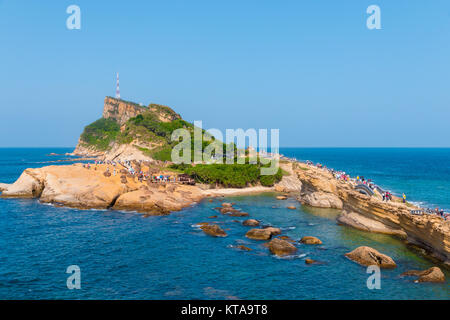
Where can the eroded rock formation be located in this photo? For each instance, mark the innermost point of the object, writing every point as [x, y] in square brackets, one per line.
[433, 274]
[370, 213]
[79, 187]
[368, 256]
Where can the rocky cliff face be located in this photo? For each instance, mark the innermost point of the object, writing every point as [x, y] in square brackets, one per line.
[121, 110]
[117, 138]
[321, 189]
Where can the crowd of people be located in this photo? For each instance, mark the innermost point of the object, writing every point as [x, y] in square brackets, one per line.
[136, 171]
[386, 195]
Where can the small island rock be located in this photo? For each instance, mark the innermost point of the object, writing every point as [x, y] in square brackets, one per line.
[251, 223]
[433, 274]
[368, 256]
[213, 230]
[310, 240]
[281, 247]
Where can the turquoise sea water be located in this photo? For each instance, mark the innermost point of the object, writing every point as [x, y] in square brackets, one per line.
[125, 256]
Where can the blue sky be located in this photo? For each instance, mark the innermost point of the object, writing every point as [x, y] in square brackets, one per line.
[310, 68]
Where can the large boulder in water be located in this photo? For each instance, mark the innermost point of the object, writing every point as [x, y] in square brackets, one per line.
[273, 231]
[434, 274]
[281, 247]
[213, 230]
[368, 256]
[262, 234]
[310, 240]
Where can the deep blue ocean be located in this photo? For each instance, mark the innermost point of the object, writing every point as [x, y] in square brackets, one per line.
[123, 255]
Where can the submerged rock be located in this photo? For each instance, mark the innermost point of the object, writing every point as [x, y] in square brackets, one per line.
[310, 261]
[292, 207]
[226, 205]
[368, 256]
[238, 214]
[281, 247]
[286, 238]
[242, 247]
[310, 240]
[433, 274]
[226, 210]
[251, 223]
[281, 197]
[213, 230]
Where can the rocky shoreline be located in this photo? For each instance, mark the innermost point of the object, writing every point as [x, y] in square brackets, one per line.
[370, 213]
[78, 187]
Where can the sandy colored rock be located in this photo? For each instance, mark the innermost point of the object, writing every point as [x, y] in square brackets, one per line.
[370, 213]
[289, 182]
[226, 210]
[310, 240]
[322, 200]
[361, 222]
[29, 185]
[368, 256]
[227, 205]
[433, 274]
[251, 223]
[79, 187]
[292, 207]
[273, 231]
[310, 261]
[160, 201]
[281, 197]
[213, 230]
[261, 234]
[281, 247]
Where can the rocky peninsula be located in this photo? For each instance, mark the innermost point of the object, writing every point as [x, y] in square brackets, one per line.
[137, 134]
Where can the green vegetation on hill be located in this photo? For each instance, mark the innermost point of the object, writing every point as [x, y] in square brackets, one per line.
[165, 110]
[229, 175]
[149, 121]
[100, 133]
[147, 128]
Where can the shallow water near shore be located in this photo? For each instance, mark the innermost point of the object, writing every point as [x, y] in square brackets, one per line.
[123, 255]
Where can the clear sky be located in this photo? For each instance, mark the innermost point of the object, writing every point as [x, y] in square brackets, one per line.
[310, 68]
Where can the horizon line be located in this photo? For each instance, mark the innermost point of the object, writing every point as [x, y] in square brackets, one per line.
[285, 147]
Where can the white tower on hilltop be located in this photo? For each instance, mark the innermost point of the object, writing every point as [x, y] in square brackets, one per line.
[117, 87]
